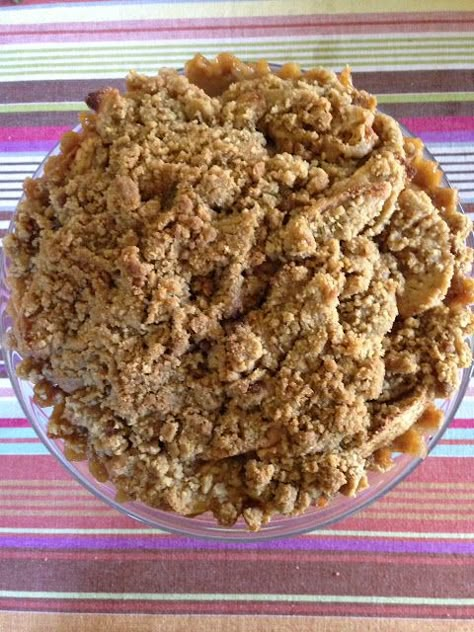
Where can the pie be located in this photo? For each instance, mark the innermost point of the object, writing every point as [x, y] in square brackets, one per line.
[240, 289]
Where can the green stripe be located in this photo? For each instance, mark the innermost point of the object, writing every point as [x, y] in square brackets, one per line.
[365, 599]
[261, 44]
[409, 97]
[119, 71]
[426, 97]
[169, 57]
[8, 108]
[153, 51]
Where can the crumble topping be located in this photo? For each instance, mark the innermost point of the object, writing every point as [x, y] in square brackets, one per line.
[240, 290]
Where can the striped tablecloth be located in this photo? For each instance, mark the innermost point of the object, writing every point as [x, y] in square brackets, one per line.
[68, 562]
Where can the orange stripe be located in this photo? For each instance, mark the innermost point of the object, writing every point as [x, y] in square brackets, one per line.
[35, 621]
[396, 515]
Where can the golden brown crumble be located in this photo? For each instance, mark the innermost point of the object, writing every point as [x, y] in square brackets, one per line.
[240, 298]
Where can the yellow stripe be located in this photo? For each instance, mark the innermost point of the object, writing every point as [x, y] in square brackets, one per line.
[23, 482]
[300, 7]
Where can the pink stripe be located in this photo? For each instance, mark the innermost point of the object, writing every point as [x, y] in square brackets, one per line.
[446, 136]
[46, 468]
[208, 555]
[6, 392]
[29, 145]
[388, 503]
[117, 521]
[428, 124]
[15, 134]
[242, 27]
[440, 124]
[14, 423]
[447, 124]
[462, 423]
[435, 469]
[450, 504]
[365, 522]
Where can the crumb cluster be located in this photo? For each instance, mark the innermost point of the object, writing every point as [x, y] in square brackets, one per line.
[240, 300]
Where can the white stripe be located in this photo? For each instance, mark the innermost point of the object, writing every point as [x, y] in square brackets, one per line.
[466, 408]
[437, 38]
[15, 178]
[9, 205]
[13, 186]
[119, 74]
[11, 408]
[118, 12]
[457, 451]
[32, 158]
[42, 58]
[461, 177]
[248, 597]
[452, 148]
[449, 167]
[455, 163]
[459, 434]
[409, 535]
[18, 433]
[10, 195]
[17, 171]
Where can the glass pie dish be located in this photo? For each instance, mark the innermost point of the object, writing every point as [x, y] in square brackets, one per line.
[204, 525]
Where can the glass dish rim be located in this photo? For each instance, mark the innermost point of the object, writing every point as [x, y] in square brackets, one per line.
[216, 533]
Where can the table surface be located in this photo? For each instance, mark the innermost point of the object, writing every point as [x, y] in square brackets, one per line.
[67, 562]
